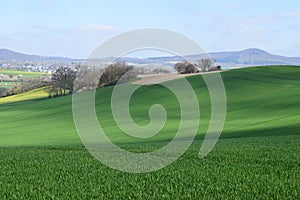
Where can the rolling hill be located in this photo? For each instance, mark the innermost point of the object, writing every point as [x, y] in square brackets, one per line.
[261, 101]
[257, 156]
[7, 55]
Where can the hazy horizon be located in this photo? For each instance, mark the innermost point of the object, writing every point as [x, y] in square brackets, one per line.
[143, 54]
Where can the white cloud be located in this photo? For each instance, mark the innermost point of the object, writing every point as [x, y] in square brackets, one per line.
[97, 28]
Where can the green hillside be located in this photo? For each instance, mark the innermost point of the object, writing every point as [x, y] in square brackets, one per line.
[36, 94]
[261, 101]
[257, 156]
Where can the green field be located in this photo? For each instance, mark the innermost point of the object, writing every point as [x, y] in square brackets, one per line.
[257, 156]
[24, 73]
[36, 94]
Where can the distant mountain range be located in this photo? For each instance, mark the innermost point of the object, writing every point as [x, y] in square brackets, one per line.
[7, 55]
[252, 57]
[248, 57]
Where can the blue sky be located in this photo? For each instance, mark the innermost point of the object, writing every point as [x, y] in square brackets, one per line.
[74, 28]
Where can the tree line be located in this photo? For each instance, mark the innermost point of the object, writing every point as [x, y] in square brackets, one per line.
[30, 84]
[62, 80]
[204, 64]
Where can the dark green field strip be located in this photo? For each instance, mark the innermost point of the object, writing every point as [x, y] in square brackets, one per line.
[246, 168]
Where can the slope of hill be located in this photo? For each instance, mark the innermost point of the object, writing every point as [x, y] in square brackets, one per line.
[36, 94]
[261, 101]
[256, 158]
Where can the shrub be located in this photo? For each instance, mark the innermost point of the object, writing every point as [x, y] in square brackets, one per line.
[115, 72]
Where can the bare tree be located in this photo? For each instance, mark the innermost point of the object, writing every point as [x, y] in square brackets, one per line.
[87, 78]
[161, 70]
[205, 64]
[179, 67]
[62, 81]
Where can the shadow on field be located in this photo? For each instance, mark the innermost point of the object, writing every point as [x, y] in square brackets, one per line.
[280, 131]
